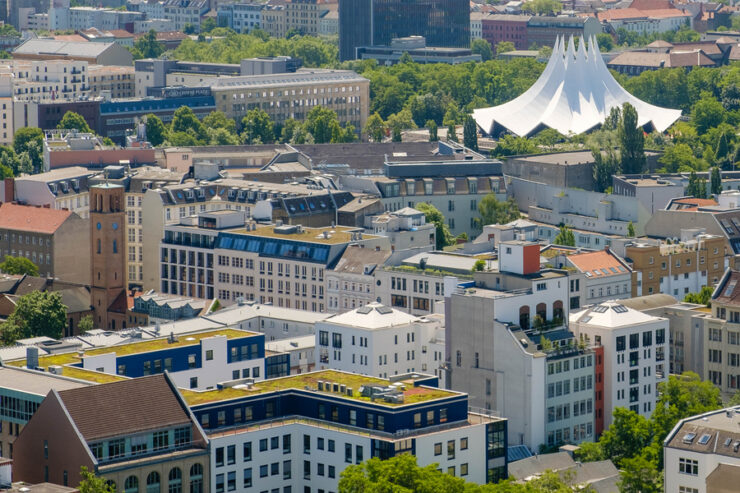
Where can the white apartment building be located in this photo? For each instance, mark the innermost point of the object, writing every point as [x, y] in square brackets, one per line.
[476, 25]
[377, 340]
[47, 79]
[325, 428]
[702, 453]
[352, 282]
[65, 188]
[406, 228]
[635, 350]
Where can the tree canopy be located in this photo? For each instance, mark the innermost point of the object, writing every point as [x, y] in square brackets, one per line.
[74, 121]
[434, 216]
[19, 265]
[493, 211]
[38, 313]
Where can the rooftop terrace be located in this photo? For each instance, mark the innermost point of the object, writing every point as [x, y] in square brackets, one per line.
[411, 394]
[336, 235]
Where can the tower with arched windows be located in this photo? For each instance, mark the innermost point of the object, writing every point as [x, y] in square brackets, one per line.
[107, 216]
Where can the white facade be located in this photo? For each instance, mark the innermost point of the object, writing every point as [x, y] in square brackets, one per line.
[701, 452]
[635, 350]
[315, 453]
[379, 341]
[215, 367]
[574, 94]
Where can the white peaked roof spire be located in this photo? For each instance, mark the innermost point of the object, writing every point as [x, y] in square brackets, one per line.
[574, 94]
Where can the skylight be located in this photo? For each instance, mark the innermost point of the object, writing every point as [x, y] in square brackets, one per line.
[689, 437]
[704, 439]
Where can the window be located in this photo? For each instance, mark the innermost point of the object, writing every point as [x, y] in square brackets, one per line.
[263, 471]
[464, 469]
[231, 455]
[152, 482]
[209, 354]
[247, 452]
[348, 452]
[174, 485]
[688, 466]
[438, 449]
[248, 477]
[464, 443]
[263, 444]
[451, 449]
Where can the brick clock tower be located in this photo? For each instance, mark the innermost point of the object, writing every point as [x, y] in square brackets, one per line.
[107, 225]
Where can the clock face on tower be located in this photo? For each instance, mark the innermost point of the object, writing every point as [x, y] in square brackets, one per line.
[98, 225]
[115, 226]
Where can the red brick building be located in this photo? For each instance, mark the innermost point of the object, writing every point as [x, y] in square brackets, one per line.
[513, 28]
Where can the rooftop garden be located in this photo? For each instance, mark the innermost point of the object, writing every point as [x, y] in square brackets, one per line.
[412, 395]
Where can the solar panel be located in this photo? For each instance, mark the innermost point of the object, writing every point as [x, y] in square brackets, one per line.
[600, 309]
[704, 439]
[619, 308]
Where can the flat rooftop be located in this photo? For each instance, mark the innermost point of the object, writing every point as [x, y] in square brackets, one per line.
[34, 382]
[71, 358]
[412, 395]
[336, 235]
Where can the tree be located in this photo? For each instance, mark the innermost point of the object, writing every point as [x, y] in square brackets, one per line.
[258, 127]
[147, 46]
[700, 298]
[640, 475]
[434, 216]
[185, 121]
[542, 7]
[218, 119]
[511, 145]
[40, 313]
[493, 211]
[548, 137]
[156, 132]
[565, 237]
[72, 120]
[632, 142]
[697, 187]
[208, 24]
[605, 166]
[9, 333]
[90, 483]
[504, 47]
[405, 58]
[630, 230]
[605, 42]
[19, 265]
[85, 324]
[707, 113]
[716, 181]
[452, 132]
[628, 434]
[679, 158]
[399, 122]
[188, 28]
[375, 128]
[483, 48]
[589, 452]
[30, 140]
[479, 265]
[470, 134]
[321, 122]
[432, 126]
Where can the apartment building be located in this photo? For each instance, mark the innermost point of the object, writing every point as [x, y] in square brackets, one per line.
[37, 80]
[183, 13]
[165, 205]
[291, 15]
[417, 285]
[635, 349]
[279, 264]
[702, 453]
[111, 81]
[457, 197]
[59, 189]
[57, 241]
[605, 276]
[80, 18]
[352, 282]
[241, 17]
[21, 393]
[293, 95]
[132, 446]
[676, 268]
[323, 421]
[406, 228]
[51, 49]
[378, 340]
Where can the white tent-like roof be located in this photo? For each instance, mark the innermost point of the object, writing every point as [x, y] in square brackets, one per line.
[574, 94]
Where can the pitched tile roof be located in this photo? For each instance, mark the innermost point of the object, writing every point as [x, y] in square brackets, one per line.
[31, 218]
[125, 407]
[598, 264]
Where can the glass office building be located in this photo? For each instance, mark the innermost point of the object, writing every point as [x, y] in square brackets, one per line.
[444, 23]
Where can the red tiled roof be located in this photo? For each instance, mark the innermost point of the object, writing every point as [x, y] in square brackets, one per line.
[598, 264]
[690, 203]
[633, 13]
[31, 218]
